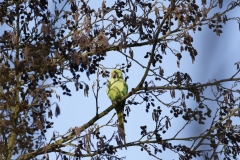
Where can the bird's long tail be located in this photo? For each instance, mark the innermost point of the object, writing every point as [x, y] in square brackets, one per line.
[122, 134]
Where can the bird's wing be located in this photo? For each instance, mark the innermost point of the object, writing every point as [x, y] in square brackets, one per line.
[116, 89]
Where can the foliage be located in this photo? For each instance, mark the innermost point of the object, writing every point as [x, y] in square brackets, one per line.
[40, 45]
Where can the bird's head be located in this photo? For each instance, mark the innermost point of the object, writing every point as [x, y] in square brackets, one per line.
[116, 73]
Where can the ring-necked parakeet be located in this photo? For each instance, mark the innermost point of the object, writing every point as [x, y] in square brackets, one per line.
[116, 89]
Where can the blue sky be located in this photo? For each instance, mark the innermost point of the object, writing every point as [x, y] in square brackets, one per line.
[216, 56]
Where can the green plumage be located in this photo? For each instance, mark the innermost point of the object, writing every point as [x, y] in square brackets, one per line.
[116, 89]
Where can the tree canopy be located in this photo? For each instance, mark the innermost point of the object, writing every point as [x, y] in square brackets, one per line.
[54, 49]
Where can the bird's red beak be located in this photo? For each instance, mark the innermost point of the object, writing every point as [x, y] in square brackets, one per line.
[113, 75]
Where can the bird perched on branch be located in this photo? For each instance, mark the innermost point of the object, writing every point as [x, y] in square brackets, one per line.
[116, 89]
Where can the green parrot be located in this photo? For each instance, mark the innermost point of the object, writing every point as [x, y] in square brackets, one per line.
[116, 89]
